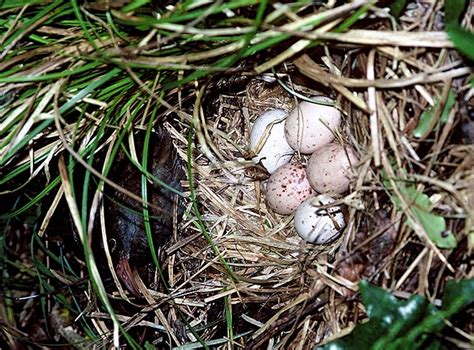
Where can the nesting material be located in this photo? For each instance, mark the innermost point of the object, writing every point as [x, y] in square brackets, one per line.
[231, 256]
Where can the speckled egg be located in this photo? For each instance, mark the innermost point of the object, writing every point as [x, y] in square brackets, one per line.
[287, 188]
[267, 140]
[329, 169]
[319, 225]
[310, 126]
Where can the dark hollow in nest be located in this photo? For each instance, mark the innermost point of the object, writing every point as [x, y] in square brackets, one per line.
[125, 221]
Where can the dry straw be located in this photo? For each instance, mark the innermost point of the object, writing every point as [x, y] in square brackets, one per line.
[237, 273]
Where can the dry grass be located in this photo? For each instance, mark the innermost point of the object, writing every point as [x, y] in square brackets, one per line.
[382, 87]
[237, 272]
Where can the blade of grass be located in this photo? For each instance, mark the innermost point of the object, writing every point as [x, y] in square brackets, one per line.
[52, 76]
[28, 25]
[85, 29]
[64, 108]
[195, 208]
[146, 214]
[229, 320]
[81, 227]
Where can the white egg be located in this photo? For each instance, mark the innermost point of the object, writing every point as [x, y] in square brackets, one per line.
[318, 225]
[311, 126]
[329, 169]
[267, 140]
[287, 188]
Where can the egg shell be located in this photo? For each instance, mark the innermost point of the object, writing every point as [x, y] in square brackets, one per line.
[318, 225]
[267, 140]
[287, 188]
[310, 126]
[329, 168]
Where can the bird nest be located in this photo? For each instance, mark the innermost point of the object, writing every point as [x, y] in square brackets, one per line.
[237, 274]
[241, 257]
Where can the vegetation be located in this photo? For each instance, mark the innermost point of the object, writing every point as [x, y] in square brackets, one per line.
[78, 77]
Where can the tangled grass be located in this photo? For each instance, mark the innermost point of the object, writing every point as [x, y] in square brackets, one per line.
[77, 78]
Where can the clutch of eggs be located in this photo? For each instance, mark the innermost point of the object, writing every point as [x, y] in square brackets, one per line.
[308, 129]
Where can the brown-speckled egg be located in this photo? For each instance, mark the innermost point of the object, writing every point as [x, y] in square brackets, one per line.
[311, 126]
[329, 169]
[287, 188]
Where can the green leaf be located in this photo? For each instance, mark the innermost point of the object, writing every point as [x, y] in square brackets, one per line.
[390, 318]
[136, 4]
[397, 7]
[458, 294]
[7, 4]
[425, 125]
[403, 324]
[462, 39]
[420, 206]
[453, 10]
[149, 346]
[395, 316]
[377, 301]
[434, 225]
